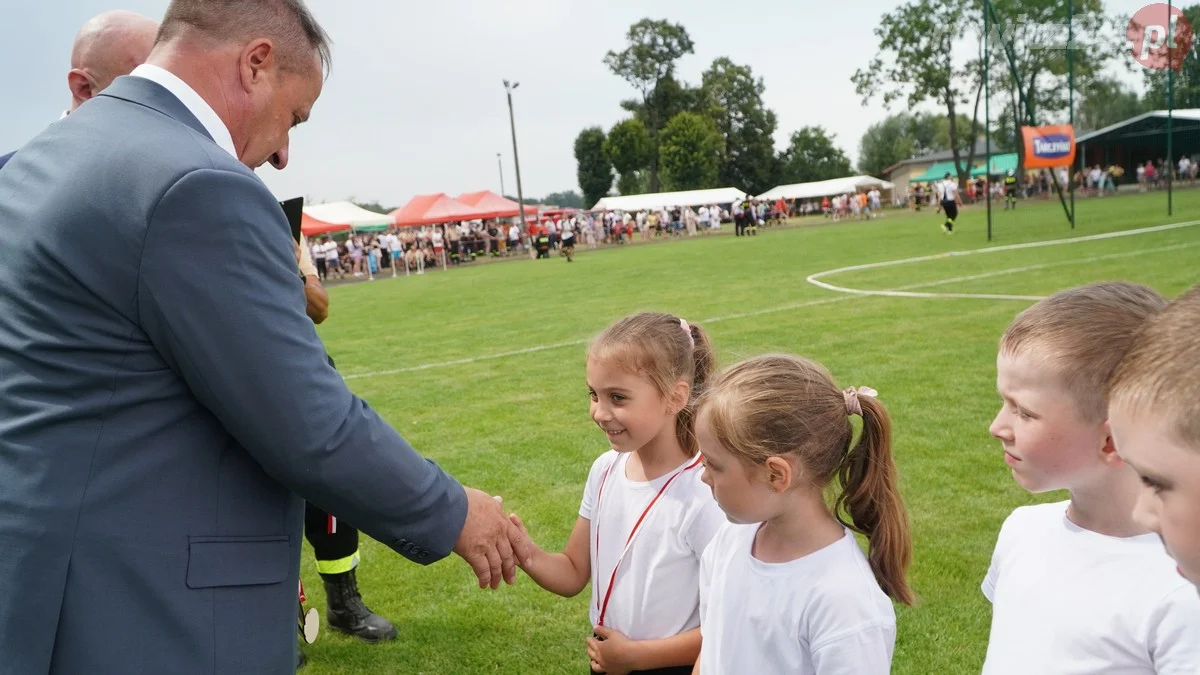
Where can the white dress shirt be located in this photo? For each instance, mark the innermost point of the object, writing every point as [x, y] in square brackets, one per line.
[192, 101]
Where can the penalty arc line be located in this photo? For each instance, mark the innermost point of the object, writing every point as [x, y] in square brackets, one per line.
[826, 301]
[815, 279]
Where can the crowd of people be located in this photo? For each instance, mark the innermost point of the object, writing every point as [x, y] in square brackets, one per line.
[413, 250]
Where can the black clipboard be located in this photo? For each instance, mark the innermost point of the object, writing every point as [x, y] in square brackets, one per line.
[294, 210]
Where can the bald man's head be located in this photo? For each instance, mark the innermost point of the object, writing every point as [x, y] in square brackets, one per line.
[107, 47]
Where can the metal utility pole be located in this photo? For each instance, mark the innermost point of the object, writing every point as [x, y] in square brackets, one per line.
[501, 168]
[508, 87]
[1169, 167]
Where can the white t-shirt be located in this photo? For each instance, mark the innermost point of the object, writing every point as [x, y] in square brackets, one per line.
[514, 233]
[948, 190]
[1069, 601]
[823, 613]
[657, 590]
[331, 250]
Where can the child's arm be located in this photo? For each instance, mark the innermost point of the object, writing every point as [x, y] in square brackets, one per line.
[565, 573]
[614, 652]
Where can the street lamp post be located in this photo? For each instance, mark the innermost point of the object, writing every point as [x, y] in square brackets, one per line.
[501, 168]
[508, 87]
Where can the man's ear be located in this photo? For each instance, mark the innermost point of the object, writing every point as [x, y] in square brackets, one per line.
[258, 57]
[81, 86]
[779, 473]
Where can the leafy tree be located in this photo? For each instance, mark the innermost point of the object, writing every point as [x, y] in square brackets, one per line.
[373, 206]
[594, 170]
[1106, 102]
[569, 199]
[628, 148]
[732, 98]
[647, 61]
[690, 151]
[918, 40]
[633, 183]
[1024, 28]
[885, 143]
[812, 156]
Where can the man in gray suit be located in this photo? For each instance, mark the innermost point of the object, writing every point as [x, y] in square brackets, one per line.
[164, 401]
[106, 47]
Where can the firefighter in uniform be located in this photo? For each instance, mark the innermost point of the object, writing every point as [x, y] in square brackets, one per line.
[1010, 190]
[334, 542]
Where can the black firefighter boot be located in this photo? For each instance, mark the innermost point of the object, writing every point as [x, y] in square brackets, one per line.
[349, 615]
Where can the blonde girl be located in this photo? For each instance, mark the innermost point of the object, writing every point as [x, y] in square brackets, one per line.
[646, 517]
[785, 587]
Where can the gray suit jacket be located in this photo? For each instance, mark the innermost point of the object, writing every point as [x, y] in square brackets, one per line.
[165, 404]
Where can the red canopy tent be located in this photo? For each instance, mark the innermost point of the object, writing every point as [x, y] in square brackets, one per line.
[312, 227]
[438, 208]
[497, 206]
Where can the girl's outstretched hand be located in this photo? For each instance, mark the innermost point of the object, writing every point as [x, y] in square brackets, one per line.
[516, 520]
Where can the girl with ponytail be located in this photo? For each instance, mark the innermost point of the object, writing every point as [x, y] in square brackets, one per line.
[646, 518]
[785, 587]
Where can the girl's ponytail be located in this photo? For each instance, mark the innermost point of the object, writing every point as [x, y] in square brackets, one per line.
[871, 499]
[704, 362]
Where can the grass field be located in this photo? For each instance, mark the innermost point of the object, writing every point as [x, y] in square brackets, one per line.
[517, 424]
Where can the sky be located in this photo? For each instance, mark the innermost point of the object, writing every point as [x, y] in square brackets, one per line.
[415, 102]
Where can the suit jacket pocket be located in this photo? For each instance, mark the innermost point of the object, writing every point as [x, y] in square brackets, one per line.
[237, 561]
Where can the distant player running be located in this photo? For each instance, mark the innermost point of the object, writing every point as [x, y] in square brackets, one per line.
[947, 192]
[1010, 190]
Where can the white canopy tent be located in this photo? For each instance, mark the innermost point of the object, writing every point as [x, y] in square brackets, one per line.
[669, 199]
[826, 188]
[346, 213]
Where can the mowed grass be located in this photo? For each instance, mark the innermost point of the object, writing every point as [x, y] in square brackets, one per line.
[518, 425]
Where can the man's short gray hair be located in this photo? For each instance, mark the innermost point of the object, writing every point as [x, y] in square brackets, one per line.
[287, 22]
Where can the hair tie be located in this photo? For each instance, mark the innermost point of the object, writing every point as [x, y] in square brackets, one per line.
[853, 405]
[688, 329]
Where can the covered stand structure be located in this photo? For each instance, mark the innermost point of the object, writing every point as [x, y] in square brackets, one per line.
[312, 227]
[826, 188]
[668, 200]
[497, 206]
[348, 215]
[1140, 139]
[433, 209]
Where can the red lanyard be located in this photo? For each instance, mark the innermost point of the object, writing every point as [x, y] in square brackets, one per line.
[629, 540]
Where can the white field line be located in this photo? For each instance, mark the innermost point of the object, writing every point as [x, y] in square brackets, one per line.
[850, 294]
[898, 293]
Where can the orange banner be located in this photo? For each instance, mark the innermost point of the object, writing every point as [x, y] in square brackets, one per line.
[1048, 146]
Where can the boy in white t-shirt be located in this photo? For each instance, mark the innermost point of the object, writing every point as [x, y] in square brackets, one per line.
[1155, 416]
[1078, 586]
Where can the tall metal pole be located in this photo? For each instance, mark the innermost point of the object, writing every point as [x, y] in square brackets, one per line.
[1170, 165]
[1071, 93]
[501, 168]
[987, 118]
[516, 159]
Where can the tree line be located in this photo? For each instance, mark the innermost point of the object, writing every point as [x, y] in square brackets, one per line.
[680, 136]
[915, 67]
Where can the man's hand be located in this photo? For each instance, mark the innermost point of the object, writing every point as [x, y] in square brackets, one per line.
[490, 542]
[609, 652]
[296, 251]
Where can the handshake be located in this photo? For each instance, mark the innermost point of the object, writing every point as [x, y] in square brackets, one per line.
[491, 543]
